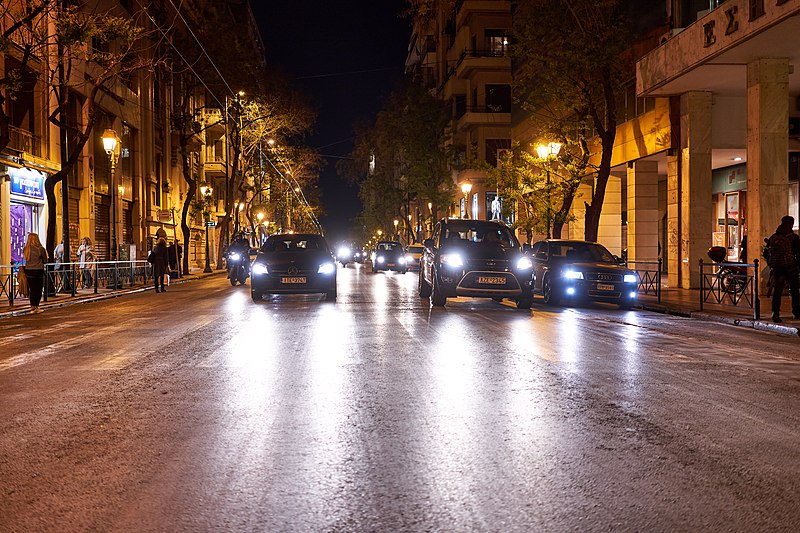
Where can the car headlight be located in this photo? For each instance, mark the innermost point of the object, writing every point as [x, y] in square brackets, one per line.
[344, 251]
[380, 259]
[572, 274]
[326, 268]
[402, 260]
[524, 263]
[630, 278]
[260, 269]
[410, 258]
[235, 257]
[452, 260]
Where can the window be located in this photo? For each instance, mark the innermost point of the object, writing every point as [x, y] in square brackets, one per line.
[496, 42]
[498, 98]
[494, 147]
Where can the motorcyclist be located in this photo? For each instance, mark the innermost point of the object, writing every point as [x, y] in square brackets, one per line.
[240, 246]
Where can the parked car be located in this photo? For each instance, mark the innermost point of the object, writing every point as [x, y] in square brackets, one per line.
[389, 255]
[413, 256]
[569, 271]
[294, 264]
[475, 258]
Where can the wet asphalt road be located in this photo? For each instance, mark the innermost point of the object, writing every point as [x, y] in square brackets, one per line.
[199, 410]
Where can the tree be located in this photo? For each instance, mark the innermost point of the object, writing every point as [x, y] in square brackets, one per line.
[401, 157]
[573, 59]
[92, 50]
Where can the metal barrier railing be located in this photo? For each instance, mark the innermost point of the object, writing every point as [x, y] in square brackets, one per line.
[734, 284]
[649, 274]
[70, 278]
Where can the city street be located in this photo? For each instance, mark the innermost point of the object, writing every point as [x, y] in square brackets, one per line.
[200, 410]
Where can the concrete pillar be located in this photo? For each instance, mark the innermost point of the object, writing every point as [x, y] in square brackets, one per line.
[696, 219]
[767, 150]
[672, 248]
[577, 227]
[609, 231]
[643, 211]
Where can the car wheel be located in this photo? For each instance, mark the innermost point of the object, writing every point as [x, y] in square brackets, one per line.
[331, 295]
[438, 299]
[423, 286]
[233, 279]
[550, 297]
[257, 297]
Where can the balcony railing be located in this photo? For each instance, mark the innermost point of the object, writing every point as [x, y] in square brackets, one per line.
[25, 141]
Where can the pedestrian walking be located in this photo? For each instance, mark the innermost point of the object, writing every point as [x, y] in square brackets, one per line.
[784, 251]
[160, 261]
[85, 258]
[35, 258]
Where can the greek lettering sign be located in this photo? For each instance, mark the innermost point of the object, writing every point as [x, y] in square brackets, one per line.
[27, 182]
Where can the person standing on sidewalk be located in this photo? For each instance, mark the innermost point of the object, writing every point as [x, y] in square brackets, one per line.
[35, 258]
[784, 251]
[86, 257]
[160, 264]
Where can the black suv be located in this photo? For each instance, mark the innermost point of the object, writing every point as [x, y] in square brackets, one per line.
[475, 258]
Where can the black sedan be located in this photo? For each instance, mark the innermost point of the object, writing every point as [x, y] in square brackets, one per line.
[567, 271]
[389, 255]
[294, 264]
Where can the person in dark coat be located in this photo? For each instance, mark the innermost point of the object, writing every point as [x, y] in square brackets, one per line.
[160, 264]
[784, 251]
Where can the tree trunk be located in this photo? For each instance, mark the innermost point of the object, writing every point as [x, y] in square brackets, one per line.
[190, 194]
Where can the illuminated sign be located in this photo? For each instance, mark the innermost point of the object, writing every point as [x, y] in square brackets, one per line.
[27, 182]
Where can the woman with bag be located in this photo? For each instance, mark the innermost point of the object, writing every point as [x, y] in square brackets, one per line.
[86, 257]
[35, 258]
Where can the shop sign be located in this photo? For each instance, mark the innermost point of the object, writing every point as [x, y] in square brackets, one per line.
[165, 215]
[27, 182]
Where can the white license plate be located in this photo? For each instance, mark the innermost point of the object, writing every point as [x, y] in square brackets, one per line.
[492, 280]
[605, 287]
[296, 279]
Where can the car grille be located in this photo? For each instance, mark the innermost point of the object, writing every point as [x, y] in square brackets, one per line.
[604, 277]
[490, 265]
[286, 271]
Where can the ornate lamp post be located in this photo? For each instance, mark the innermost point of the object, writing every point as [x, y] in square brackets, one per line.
[206, 191]
[111, 145]
[548, 152]
[466, 187]
[395, 222]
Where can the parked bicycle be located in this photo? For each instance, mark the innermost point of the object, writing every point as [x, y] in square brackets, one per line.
[732, 278]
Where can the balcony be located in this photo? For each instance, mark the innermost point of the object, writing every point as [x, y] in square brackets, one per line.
[212, 118]
[25, 141]
[465, 9]
[474, 116]
[214, 166]
[472, 61]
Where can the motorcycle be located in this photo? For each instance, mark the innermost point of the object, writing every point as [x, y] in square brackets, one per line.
[238, 267]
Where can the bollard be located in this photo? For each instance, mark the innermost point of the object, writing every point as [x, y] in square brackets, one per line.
[756, 299]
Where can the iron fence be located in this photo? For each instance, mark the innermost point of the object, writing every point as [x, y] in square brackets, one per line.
[732, 284]
[649, 274]
[71, 278]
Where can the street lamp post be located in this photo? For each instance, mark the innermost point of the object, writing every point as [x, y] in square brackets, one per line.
[396, 222]
[548, 152]
[206, 191]
[111, 145]
[466, 187]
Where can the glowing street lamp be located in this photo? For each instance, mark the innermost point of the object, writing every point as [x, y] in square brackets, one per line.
[111, 144]
[548, 152]
[466, 187]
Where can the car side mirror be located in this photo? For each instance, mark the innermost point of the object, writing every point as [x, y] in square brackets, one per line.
[428, 243]
[620, 260]
[526, 248]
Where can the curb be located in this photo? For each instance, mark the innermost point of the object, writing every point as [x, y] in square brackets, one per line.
[760, 325]
[100, 297]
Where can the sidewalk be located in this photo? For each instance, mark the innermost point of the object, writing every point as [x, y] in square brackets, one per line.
[686, 302]
[22, 306]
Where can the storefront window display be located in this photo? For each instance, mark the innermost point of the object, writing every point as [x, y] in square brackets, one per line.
[27, 199]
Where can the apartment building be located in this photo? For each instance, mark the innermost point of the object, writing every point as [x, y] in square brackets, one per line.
[460, 53]
[144, 195]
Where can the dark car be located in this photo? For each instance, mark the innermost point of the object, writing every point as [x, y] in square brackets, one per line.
[294, 264]
[568, 271]
[389, 255]
[475, 258]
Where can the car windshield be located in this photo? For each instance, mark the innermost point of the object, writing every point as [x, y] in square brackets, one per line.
[580, 251]
[389, 246]
[293, 243]
[479, 234]
[416, 249]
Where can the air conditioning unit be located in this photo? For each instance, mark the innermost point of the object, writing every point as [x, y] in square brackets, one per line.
[669, 35]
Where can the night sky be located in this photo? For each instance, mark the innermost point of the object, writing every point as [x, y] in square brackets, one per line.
[346, 56]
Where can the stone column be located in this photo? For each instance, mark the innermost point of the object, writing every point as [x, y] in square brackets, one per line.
[672, 252]
[696, 220]
[767, 150]
[609, 231]
[643, 211]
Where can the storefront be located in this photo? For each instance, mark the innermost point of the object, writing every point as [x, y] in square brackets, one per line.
[26, 210]
[729, 190]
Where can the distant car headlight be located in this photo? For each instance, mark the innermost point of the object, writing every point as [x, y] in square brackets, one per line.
[402, 260]
[572, 274]
[344, 251]
[410, 258]
[630, 278]
[380, 259]
[235, 257]
[326, 268]
[524, 263]
[452, 260]
[260, 269]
